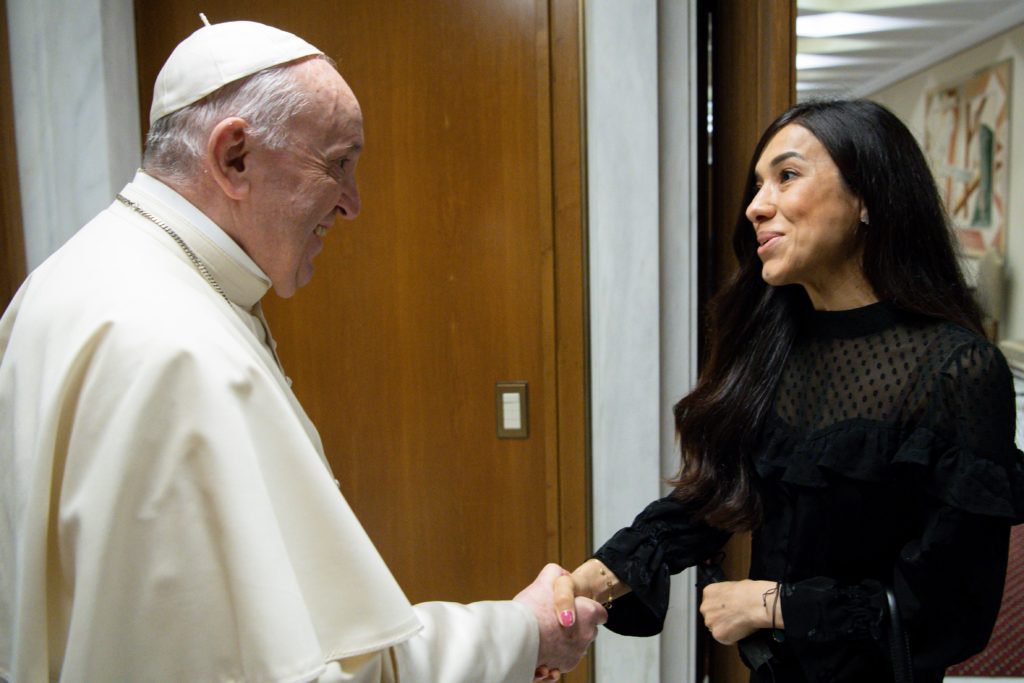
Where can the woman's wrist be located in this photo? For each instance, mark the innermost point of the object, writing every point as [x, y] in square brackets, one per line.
[769, 614]
[597, 582]
[769, 603]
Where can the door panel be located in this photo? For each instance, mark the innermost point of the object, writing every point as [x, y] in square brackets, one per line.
[753, 81]
[446, 284]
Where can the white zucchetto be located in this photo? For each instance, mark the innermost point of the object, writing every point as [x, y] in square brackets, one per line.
[219, 54]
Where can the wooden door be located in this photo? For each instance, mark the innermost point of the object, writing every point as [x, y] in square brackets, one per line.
[753, 49]
[465, 269]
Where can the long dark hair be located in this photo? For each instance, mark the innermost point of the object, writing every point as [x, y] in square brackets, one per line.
[909, 258]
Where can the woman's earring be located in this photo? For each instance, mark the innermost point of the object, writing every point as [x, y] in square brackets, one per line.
[865, 221]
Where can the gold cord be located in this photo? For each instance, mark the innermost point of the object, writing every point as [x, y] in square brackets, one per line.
[200, 266]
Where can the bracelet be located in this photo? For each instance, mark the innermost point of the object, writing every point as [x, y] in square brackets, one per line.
[777, 634]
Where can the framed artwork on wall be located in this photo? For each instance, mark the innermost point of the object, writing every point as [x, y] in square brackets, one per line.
[967, 141]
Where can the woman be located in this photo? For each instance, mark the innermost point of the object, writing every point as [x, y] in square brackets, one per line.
[850, 413]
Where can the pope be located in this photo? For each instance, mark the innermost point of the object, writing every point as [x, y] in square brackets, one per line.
[166, 509]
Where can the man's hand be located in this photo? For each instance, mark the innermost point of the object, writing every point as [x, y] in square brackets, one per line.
[561, 648]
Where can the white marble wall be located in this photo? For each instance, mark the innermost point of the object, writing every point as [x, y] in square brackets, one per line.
[679, 159]
[75, 112]
[640, 155]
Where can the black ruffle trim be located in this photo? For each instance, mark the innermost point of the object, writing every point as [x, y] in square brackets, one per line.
[637, 559]
[991, 485]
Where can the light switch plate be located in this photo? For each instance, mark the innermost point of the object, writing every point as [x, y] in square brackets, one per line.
[512, 410]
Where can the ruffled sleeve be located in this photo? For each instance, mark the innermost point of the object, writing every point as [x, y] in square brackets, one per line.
[965, 441]
[959, 455]
[663, 540]
[948, 585]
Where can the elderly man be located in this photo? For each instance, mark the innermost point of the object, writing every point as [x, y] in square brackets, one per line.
[167, 510]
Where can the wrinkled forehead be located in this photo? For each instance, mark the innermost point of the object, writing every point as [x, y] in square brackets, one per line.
[335, 108]
[319, 75]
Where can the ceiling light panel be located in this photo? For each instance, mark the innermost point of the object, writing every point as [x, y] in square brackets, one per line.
[838, 45]
[865, 5]
[833, 24]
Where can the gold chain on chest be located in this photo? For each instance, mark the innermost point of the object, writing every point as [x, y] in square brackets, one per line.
[200, 266]
[203, 270]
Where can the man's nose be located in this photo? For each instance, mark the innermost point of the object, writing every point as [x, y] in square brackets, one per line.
[348, 202]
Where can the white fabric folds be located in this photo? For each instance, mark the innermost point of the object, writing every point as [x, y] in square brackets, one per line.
[161, 489]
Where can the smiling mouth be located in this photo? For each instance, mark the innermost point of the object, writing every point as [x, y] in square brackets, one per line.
[766, 238]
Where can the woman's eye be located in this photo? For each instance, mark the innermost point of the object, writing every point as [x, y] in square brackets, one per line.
[786, 175]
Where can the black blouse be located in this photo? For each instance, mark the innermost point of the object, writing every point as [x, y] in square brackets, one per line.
[888, 460]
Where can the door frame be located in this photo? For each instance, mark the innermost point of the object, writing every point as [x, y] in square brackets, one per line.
[12, 235]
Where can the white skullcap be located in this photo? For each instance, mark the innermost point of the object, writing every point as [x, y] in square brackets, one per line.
[218, 54]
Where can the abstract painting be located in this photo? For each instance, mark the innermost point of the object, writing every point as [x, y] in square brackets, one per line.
[966, 139]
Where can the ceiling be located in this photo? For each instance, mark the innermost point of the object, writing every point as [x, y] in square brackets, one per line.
[858, 47]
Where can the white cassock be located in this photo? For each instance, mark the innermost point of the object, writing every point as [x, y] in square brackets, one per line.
[166, 510]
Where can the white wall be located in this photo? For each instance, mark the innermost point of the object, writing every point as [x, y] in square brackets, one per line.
[622, 172]
[641, 161]
[906, 99]
[76, 112]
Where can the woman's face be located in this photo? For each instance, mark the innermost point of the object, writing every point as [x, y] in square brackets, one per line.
[806, 222]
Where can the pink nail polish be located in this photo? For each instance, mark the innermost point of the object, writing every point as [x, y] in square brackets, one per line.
[567, 617]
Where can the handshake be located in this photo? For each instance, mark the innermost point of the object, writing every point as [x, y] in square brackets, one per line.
[568, 613]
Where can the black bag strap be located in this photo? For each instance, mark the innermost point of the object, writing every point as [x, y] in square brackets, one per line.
[899, 644]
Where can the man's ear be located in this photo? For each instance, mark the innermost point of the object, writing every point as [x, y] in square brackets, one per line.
[227, 151]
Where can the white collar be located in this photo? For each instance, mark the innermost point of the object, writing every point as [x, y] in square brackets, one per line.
[200, 220]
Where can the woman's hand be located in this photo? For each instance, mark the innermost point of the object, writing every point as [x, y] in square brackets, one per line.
[593, 580]
[734, 609]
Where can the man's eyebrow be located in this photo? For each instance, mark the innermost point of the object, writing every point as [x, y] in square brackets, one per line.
[344, 150]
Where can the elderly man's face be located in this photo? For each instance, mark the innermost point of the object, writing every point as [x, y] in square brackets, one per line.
[298, 191]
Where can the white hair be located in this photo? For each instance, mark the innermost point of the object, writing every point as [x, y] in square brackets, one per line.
[267, 101]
